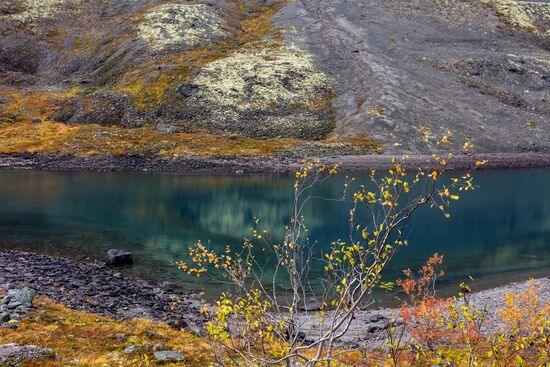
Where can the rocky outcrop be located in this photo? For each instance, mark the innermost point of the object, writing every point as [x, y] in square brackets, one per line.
[270, 91]
[15, 305]
[99, 108]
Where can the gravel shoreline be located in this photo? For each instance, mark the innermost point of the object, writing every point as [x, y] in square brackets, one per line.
[255, 165]
[96, 288]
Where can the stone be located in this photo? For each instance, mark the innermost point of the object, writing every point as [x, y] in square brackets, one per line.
[131, 349]
[4, 317]
[36, 121]
[178, 324]
[13, 354]
[121, 337]
[160, 347]
[168, 356]
[239, 172]
[118, 257]
[14, 324]
[188, 90]
[167, 128]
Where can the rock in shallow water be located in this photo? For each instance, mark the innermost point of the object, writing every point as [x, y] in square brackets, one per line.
[118, 257]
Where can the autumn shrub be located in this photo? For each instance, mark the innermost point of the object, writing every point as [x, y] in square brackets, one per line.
[455, 331]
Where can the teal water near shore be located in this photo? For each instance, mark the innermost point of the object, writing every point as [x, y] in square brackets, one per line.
[497, 234]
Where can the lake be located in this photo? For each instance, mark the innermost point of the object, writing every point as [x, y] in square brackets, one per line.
[497, 234]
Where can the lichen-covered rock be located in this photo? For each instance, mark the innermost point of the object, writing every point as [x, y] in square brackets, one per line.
[266, 92]
[31, 10]
[523, 14]
[176, 25]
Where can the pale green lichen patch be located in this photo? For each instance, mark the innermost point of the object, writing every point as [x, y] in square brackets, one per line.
[269, 90]
[522, 14]
[260, 78]
[31, 10]
[175, 24]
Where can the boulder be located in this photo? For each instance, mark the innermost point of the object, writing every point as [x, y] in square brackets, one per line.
[168, 356]
[119, 257]
[15, 305]
[19, 296]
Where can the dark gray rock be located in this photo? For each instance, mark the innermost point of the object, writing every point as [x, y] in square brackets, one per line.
[4, 317]
[119, 257]
[188, 90]
[168, 356]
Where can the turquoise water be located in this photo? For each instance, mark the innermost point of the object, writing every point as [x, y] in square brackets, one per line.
[499, 233]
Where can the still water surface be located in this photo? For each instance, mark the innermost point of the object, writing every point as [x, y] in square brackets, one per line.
[499, 233]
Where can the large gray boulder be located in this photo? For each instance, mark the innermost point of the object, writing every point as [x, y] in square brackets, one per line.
[15, 305]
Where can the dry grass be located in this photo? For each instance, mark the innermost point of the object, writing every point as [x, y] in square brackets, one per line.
[95, 140]
[83, 339]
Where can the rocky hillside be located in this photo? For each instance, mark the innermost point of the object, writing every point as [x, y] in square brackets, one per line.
[262, 77]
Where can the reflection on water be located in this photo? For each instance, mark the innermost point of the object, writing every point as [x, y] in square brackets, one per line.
[499, 232]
